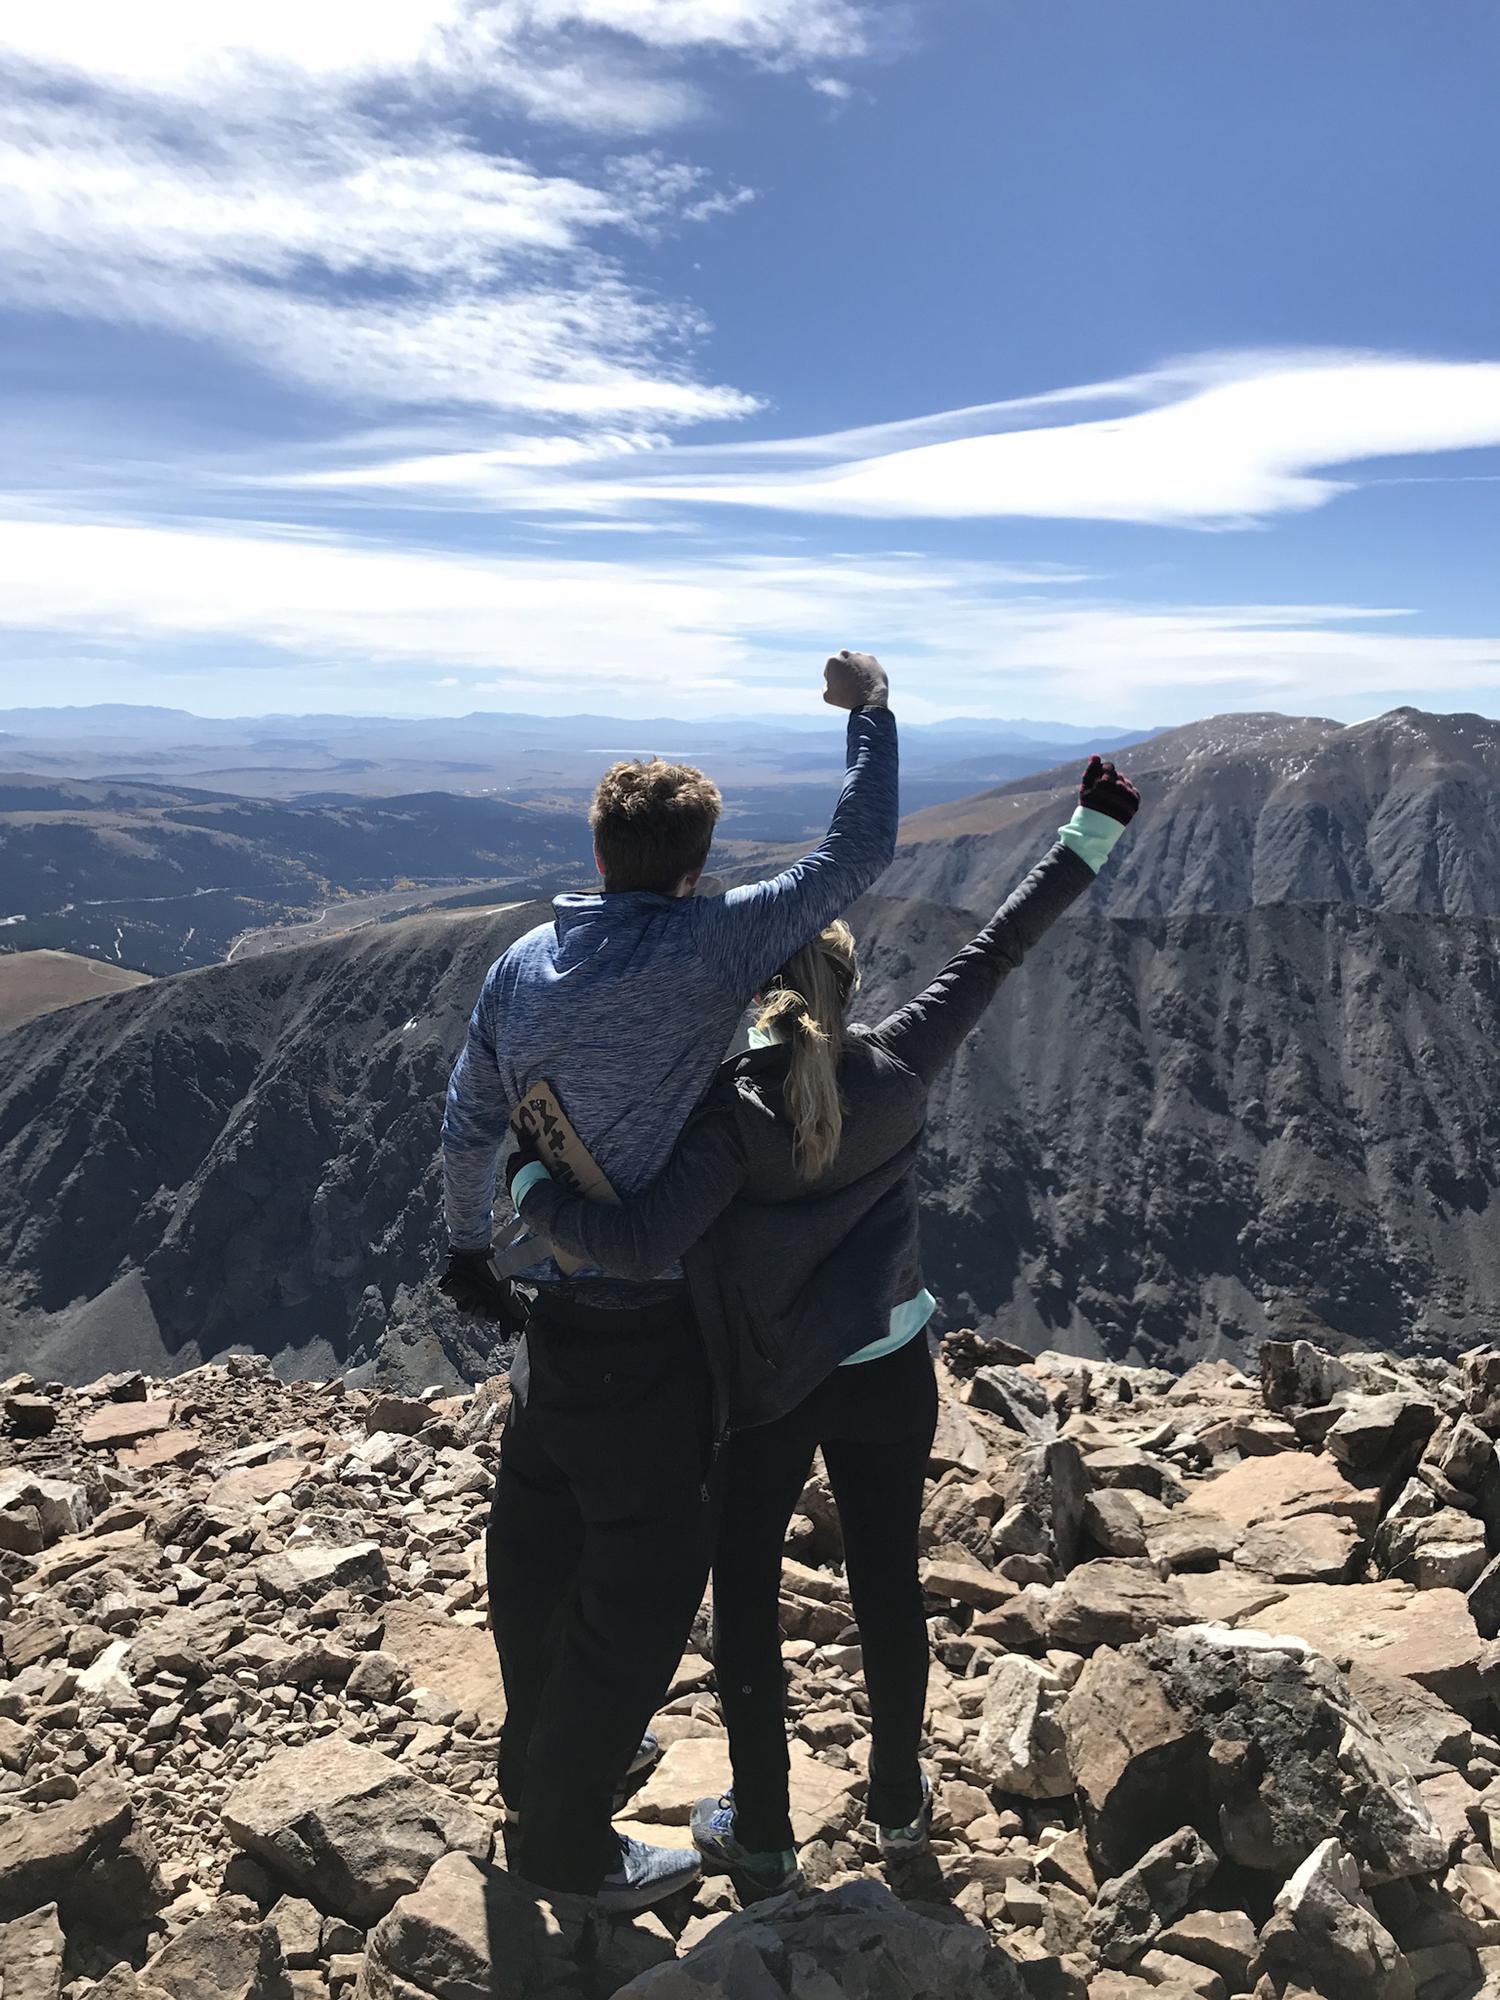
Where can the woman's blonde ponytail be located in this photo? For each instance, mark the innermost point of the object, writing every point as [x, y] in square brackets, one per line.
[804, 1006]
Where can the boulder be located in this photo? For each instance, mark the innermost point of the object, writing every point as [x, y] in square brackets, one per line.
[959, 1578]
[1133, 1754]
[299, 1928]
[1132, 1908]
[1113, 1524]
[85, 1854]
[31, 1416]
[1425, 1733]
[31, 1956]
[816, 1945]
[305, 1571]
[1020, 1746]
[956, 1445]
[1256, 1741]
[1049, 1482]
[1443, 1550]
[1019, 1400]
[220, 1956]
[456, 1660]
[1125, 1469]
[1479, 1375]
[1296, 1375]
[1284, 1488]
[471, 1932]
[823, 1796]
[1463, 1454]
[1312, 1548]
[161, 1448]
[693, 1768]
[402, 1416]
[244, 1486]
[1325, 1934]
[1223, 1940]
[1111, 1602]
[348, 1827]
[60, 1505]
[124, 1424]
[1381, 1433]
[1427, 1636]
[960, 1514]
[1484, 1600]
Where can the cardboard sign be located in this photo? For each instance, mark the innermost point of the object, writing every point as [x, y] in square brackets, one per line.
[541, 1118]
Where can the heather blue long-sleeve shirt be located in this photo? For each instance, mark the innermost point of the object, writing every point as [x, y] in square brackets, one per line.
[626, 1004]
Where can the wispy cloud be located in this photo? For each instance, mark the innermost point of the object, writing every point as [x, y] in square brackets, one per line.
[630, 634]
[1216, 441]
[298, 182]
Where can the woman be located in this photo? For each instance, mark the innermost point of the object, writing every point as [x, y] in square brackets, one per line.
[791, 1199]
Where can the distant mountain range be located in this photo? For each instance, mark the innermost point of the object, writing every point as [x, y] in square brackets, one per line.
[774, 769]
[163, 878]
[112, 844]
[1249, 1085]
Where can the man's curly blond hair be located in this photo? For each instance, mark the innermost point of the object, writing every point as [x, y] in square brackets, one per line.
[653, 823]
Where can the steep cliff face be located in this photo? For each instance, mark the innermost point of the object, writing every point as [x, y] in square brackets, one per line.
[1172, 1134]
[1402, 812]
[235, 1156]
[1168, 1136]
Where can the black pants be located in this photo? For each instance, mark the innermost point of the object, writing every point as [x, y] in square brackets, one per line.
[598, 1551]
[874, 1423]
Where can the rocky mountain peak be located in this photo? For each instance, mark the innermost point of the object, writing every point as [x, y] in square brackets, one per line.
[1214, 1667]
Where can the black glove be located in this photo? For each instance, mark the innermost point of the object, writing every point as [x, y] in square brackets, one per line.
[1103, 790]
[472, 1284]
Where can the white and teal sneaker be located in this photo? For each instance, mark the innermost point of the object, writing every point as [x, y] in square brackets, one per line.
[901, 1842]
[755, 1876]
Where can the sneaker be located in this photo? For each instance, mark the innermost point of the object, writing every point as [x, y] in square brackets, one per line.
[755, 1876]
[646, 1758]
[647, 1876]
[899, 1842]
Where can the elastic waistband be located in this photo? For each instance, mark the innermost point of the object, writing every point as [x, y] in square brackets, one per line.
[662, 1318]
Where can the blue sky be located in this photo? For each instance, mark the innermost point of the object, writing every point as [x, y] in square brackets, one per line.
[1126, 358]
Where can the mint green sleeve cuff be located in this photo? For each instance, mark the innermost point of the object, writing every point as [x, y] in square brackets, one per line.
[1091, 835]
[526, 1180]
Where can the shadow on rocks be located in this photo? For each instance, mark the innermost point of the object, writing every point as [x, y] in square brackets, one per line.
[473, 1932]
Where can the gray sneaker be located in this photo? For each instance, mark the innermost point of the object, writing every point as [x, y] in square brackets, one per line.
[646, 1758]
[647, 1876]
[899, 1842]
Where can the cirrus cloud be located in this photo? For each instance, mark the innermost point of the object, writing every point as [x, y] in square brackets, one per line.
[1218, 440]
[557, 631]
[298, 183]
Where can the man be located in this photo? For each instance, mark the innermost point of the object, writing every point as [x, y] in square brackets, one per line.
[600, 1534]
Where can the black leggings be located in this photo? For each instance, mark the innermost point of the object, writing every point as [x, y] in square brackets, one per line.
[874, 1423]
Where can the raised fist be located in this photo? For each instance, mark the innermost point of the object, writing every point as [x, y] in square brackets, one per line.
[855, 680]
[1103, 790]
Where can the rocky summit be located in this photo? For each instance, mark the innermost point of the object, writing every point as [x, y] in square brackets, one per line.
[1215, 1662]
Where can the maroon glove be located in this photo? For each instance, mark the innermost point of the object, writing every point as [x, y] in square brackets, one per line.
[1103, 790]
[526, 1150]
